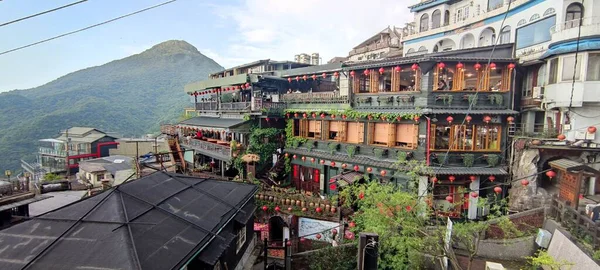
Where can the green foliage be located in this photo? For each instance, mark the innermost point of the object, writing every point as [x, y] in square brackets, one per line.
[130, 96]
[49, 177]
[350, 150]
[333, 258]
[445, 98]
[378, 152]
[596, 255]
[493, 160]
[472, 98]
[353, 114]
[227, 98]
[508, 228]
[333, 147]
[497, 99]
[288, 166]
[468, 160]
[402, 156]
[264, 143]
[184, 116]
[310, 145]
[246, 117]
[292, 141]
[543, 259]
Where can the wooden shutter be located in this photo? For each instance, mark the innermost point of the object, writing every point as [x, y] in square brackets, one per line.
[436, 77]
[361, 132]
[391, 135]
[417, 80]
[458, 79]
[325, 134]
[318, 129]
[432, 134]
[294, 126]
[356, 84]
[506, 76]
[342, 125]
[395, 81]
[374, 82]
[304, 128]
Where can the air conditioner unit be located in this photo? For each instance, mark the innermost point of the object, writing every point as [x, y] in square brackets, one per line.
[537, 92]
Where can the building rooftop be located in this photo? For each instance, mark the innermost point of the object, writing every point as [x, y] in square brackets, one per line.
[161, 221]
[111, 164]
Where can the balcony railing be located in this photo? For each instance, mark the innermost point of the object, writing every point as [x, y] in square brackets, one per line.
[534, 130]
[235, 106]
[207, 106]
[239, 106]
[326, 97]
[217, 149]
[52, 152]
[13, 188]
[168, 129]
[575, 23]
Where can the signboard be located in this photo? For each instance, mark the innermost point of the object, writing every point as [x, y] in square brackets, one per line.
[569, 187]
[308, 228]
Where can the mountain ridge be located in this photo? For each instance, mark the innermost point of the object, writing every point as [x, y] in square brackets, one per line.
[131, 96]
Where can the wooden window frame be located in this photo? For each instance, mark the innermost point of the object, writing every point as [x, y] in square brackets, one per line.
[454, 144]
[483, 80]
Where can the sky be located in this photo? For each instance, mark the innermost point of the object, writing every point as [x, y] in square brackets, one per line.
[231, 32]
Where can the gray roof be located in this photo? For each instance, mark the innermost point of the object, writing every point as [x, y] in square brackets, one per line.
[473, 111]
[160, 221]
[23, 202]
[213, 122]
[571, 166]
[327, 68]
[469, 171]
[55, 200]
[111, 164]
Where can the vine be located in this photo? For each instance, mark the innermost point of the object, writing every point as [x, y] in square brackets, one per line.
[288, 166]
[292, 141]
[353, 114]
[264, 143]
[333, 147]
[378, 152]
[246, 117]
[351, 150]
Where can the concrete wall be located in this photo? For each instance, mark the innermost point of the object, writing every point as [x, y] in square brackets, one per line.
[509, 249]
[562, 248]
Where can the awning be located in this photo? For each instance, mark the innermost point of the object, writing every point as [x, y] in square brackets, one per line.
[463, 111]
[212, 122]
[215, 249]
[223, 81]
[572, 166]
[571, 46]
[469, 171]
[247, 212]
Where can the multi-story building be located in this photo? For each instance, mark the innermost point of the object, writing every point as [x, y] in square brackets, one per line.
[304, 58]
[386, 43]
[264, 67]
[72, 146]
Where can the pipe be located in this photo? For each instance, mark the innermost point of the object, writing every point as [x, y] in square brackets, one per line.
[428, 146]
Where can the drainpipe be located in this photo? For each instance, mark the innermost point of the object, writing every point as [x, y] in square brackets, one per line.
[428, 153]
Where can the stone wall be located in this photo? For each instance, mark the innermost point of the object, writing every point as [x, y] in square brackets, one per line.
[525, 166]
[508, 249]
[562, 248]
[527, 222]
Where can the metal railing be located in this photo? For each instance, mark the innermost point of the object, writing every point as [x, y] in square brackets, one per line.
[14, 187]
[52, 151]
[326, 97]
[373, 47]
[534, 130]
[220, 151]
[259, 104]
[207, 106]
[235, 106]
[587, 21]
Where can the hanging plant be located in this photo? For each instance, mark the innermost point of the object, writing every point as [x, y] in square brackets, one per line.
[493, 160]
[350, 150]
[472, 98]
[310, 146]
[402, 156]
[496, 99]
[333, 147]
[379, 153]
[445, 98]
[385, 100]
[468, 160]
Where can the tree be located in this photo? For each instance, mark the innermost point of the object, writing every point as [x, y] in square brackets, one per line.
[51, 177]
[544, 259]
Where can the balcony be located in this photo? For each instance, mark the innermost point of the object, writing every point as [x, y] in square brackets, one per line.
[325, 97]
[461, 99]
[256, 106]
[52, 152]
[531, 103]
[570, 29]
[534, 130]
[210, 147]
[389, 100]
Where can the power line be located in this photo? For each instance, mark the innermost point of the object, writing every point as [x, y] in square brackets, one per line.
[42, 13]
[86, 28]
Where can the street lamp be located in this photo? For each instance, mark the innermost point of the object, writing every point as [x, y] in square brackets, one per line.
[8, 173]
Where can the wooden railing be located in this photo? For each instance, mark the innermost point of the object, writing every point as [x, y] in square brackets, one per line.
[168, 129]
[576, 222]
[325, 97]
[208, 148]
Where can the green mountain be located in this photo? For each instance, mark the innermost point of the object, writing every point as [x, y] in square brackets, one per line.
[130, 96]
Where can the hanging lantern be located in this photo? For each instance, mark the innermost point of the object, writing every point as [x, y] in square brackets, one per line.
[304, 115]
[498, 190]
[334, 231]
[344, 117]
[267, 119]
[487, 119]
[472, 178]
[477, 66]
[324, 75]
[510, 119]
[397, 69]
[581, 196]
[332, 116]
[312, 160]
[332, 164]
[349, 235]
[290, 209]
[302, 239]
[296, 115]
[383, 172]
[344, 165]
[336, 74]
[450, 119]
[265, 208]
[550, 174]
[460, 65]
[352, 73]
[492, 178]
[318, 209]
[561, 137]
[314, 77]
[592, 129]
[451, 178]
[322, 115]
[237, 87]
[303, 158]
[332, 187]
[304, 77]
[356, 168]
[287, 115]
[247, 85]
[369, 169]
[290, 80]
[474, 194]
[408, 208]
[318, 236]
[314, 115]
[441, 65]
[287, 155]
[322, 162]
[366, 72]
[414, 67]
[449, 199]
[351, 224]
[468, 119]
[434, 180]
[417, 118]
[525, 182]
[297, 78]
[277, 208]
[381, 70]
[511, 66]
[493, 66]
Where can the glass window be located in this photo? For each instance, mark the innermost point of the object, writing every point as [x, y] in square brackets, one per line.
[593, 67]
[495, 4]
[466, 137]
[471, 80]
[568, 68]
[488, 138]
[436, 19]
[444, 79]
[534, 17]
[505, 35]
[241, 239]
[574, 14]
[424, 22]
[535, 33]
[553, 74]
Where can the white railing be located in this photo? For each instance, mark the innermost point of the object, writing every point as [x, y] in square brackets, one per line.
[574, 24]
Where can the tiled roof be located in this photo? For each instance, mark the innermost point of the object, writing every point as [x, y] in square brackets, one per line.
[571, 166]
[212, 122]
[469, 171]
[464, 111]
[357, 159]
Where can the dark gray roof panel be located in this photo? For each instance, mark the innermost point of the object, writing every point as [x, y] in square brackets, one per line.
[212, 122]
[469, 171]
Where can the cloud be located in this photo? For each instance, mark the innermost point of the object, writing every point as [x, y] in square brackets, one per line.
[278, 29]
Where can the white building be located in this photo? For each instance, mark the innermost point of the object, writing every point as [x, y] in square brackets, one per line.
[386, 43]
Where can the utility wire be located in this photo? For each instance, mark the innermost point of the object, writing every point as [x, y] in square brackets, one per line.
[42, 13]
[580, 22]
[86, 28]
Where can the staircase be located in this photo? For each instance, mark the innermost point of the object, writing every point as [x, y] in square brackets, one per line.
[278, 168]
[177, 154]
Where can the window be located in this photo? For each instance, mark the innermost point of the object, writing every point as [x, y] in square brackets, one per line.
[241, 239]
[336, 130]
[505, 35]
[549, 11]
[356, 132]
[569, 69]
[573, 16]
[535, 33]
[553, 74]
[495, 4]
[487, 138]
[534, 17]
[462, 14]
[393, 135]
[446, 18]
[521, 22]
[314, 129]
[436, 19]
[466, 137]
[593, 67]
[424, 22]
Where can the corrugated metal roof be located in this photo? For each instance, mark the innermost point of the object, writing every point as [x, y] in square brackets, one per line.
[358, 159]
[213, 122]
[311, 70]
[571, 166]
[219, 82]
[469, 171]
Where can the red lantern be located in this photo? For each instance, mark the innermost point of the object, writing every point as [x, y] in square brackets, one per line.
[267, 119]
[369, 169]
[247, 85]
[511, 66]
[303, 158]
[580, 196]
[487, 119]
[381, 70]
[477, 66]
[493, 66]
[414, 67]
[449, 199]
[265, 208]
[294, 156]
[351, 224]
[287, 155]
[383, 172]
[361, 196]
[356, 168]
[304, 77]
[417, 118]
[441, 65]
[434, 180]
[472, 178]
[332, 210]
[451, 178]
[324, 75]
[492, 178]
[237, 87]
[561, 137]
[314, 77]
[349, 235]
[398, 69]
[322, 115]
[369, 117]
[304, 209]
[510, 119]
[332, 186]
[498, 190]
[302, 239]
[366, 72]
[333, 231]
[344, 117]
[332, 164]
[289, 80]
[352, 73]
[524, 182]
[460, 65]
[336, 74]
[314, 115]
[277, 208]
[296, 115]
[319, 210]
[592, 129]
[318, 236]
[468, 118]
[322, 162]
[344, 165]
[449, 119]
[474, 194]
[304, 115]
[408, 208]
[550, 174]
[288, 243]
[332, 116]
[297, 78]
[312, 160]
